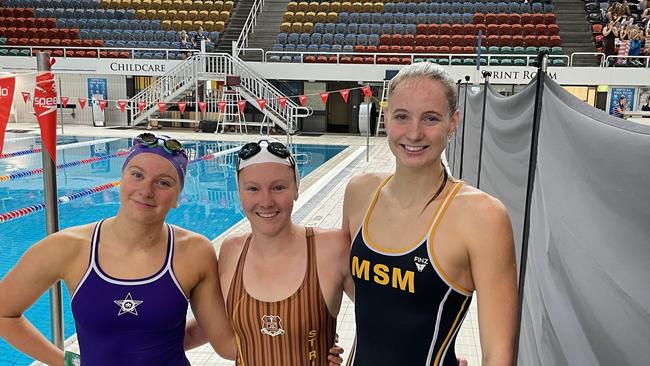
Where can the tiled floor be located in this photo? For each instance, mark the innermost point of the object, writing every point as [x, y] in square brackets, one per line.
[320, 204]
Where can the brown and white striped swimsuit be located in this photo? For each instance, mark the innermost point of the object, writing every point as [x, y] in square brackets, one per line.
[296, 331]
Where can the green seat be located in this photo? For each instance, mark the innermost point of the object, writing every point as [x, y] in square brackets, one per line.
[418, 60]
[506, 61]
[443, 61]
[532, 62]
[24, 52]
[456, 61]
[483, 61]
[3, 41]
[469, 61]
[493, 50]
[531, 50]
[545, 49]
[518, 50]
[14, 52]
[506, 50]
[432, 60]
[558, 62]
[494, 61]
[557, 50]
[520, 62]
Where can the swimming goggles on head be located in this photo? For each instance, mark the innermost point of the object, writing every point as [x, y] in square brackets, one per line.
[172, 146]
[276, 148]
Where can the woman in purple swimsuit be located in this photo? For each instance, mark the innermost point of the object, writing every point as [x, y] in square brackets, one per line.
[131, 276]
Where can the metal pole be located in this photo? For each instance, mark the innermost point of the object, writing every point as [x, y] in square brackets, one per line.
[368, 131]
[51, 222]
[196, 91]
[486, 75]
[61, 104]
[462, 138]
[451, 157]
[532, 167]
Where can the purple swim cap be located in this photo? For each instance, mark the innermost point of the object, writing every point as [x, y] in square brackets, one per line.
[163, 146]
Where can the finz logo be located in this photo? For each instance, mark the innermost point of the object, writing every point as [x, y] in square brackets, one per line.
[420, 263]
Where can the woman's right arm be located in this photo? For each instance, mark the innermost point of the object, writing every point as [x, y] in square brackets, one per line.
[39, 268]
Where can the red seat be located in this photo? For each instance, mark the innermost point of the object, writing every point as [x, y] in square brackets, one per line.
[20, 32]
[540, 29]
[87, 43]
[394, 60]
[493, 40]
[319, 59]
[407, 49]
[469, 29]
[382, 60]
[421, 40]
[456, 49]
[479, 18]
[502, 18]
[457, 40]
[420, 49]
[431, 49]
[481, 28]
[73, 33]
[469, 40]
[468, 49]
[12, 41]
[66, 42]
[543, 41]
[371, 49]
[505, 40]
[383, 49]
[518, 40]
[76, 43]
[385, 39]
[538, 18]
[22, 42]
[55, 42]
[50, 23]
[104, 54]
[433, 29]
[57, 53]
[516, 30]
[421, 28]
[492, 29]
[357, 60]
[40, 23]
[91, 53]
[529, 29]
[550, 18]
[395, 48]
[490, 18]
[45, 41]
[504, 29]
[514, 18]
[554, 29]
[526, 18]
[443, 49]
[405, 61]
[408, 40]
[29, 22]
[346, 60]
[456, 29]
[33, 42]
[332, 59]
[444, 40]
[445, 29]
[555, 41]
[396, 39]
[98, 43]
[359, 48]
[69, 53]
[79, 53]
[531, 41]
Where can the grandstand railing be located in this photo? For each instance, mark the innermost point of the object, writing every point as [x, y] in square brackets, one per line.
[254, 87]
[132, 51]
[249, 27]
[167, 87]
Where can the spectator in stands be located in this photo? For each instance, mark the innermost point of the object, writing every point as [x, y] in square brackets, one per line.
[636, 37]
[186, 43]
[645, 17]
[621, 108]
[610, 32]
[646, 106]
[200, 36]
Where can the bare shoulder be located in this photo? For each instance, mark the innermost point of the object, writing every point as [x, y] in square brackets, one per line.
[483, 217]
[360, 184]
[193, 246]
[70, 241]
[232, 246]
[332, 239]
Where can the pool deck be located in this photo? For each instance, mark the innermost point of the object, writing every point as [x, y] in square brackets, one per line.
[320, 204]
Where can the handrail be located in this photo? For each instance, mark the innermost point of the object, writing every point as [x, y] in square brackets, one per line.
[131, 51]
[613, 57]
[597, 54]
[249, 26]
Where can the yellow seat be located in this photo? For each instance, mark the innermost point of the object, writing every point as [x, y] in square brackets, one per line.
[346, 6]
[214, 15]
[166, 24]
[188, 5]
[172, 14]
[156, 4]
[324, 6]
[151, 14]
[335, 6]
[105, 4]
[182, 15]
[197, 24]
[367, 7]
[188, 24]
[208, 25]
[177, 4]
[141, 14]
[357, 7]
[303, 6]
[285, 27]
[204, 15]
[136, 4]
[193, 15]
[207, 5]
[332, 17]
[312, 6]
[296, 27]
[292, 6]
[167, 5]
[217, 5]
[125, 4]
[308, 27]
[146, 4]
[310, 17]
[378, 7]
[161, 14]
[228, 5]
[288, 16]
[321, 17]
[177, 25]
[219, 26]
[298, 16]
[198, 5]
[115, 4]
[224, 15]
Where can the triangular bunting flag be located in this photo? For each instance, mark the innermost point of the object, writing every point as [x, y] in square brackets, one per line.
[202, 106]
[181, 107]
[323, 97]
[102, 104]
[141, 106]
[242, 105]
[82, 102]
[162, 107]
[302, 99]
[261, 103]
[283, 102]
[45, 108]
[221, 105]
[25, 96]
[367, 92]
[121, 104]
[6, 100]
[64, 101]
[345, 93]
[52, 61]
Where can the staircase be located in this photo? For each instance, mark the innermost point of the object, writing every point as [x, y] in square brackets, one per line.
[266, 31]
[575, 31]
[235, 24]
[216, 66]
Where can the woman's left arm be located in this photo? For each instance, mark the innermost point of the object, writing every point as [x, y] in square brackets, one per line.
[494, 273]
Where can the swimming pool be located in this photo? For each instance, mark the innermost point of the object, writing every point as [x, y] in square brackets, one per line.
[209, 202]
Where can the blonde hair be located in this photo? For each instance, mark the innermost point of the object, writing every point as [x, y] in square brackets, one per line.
[432, 72]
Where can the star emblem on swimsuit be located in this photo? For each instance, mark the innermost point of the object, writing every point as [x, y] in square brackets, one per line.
[128, 305]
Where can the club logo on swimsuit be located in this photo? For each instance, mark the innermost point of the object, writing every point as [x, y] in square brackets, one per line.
[420, 263]
[272, 325]
[128, 305]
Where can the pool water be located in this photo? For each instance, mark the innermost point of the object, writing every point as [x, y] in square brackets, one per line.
[209, 203]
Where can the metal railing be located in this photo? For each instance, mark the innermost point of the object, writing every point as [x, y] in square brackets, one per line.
[612, 61]
[249, 27]
[131, 51]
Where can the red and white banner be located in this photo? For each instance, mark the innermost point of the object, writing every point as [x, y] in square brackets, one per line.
[302, 99]
[261, 103]
[367, 92]
[181, 107]
[203, 106]
[323, 97]
[283, 102]
[102, 104]
[44, 103]
[345, 93]
[162, 107]
[64, 102]
[25, 96]
[242, 105]
[141, 106]
[221, 105]
[7, 87]
[121, 105]
[82, 102]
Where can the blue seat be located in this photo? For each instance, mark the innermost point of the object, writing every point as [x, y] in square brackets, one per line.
[411, 29]
[134, 24]
[123, 24]
[341, 28]
[330, 28]
[389, 7]
[343, 17]
[409, 18]
[290, 47]
[176, 45]
[373, 40]
[106, 34]
[468, 7]
[400, 7]
[39, 13]
[293, 38]
[411, 8]
[60, 22]
[116, 34]
[456, 7]
[354, 18]
[296, 59]
[324, 48]
[110, 13]
[305, 38]
[282, 38]
[337, 48]
[112, 24]
[132, 44]
[91, 24]
[434, 8]
[422, 18]
[137, 35]
[353, 28]
[467, 18]
[109, 43]
[278, 47]
[348, 48]
[387, 18]
[95, 34]
[423, 7]
[375, 28]
[550, 8]
[312, 47]
[130, 14]
[316, 38]
[364, 18]
[120, 44]
[433, 18]
[443, 18]
[148, 35]
[455, 18]
[387, 28]
[286, 58]
[159, 56]
[339, 38]
[398, 28]
[82, 23]
[398, 18]
[274, 58]
[155, 25]
[120, 14]
[171, 36]
[79, 13]
[351, 39]
[301, 48]
[127, 35]
[49, 13]
[491, 8]
[165, 44]
[144, 25]
[147, 55]
[362, 39]
[328, 38]
[84, 34]
[364, 28]
[376, 18]
[215, 36]
[159, 36]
